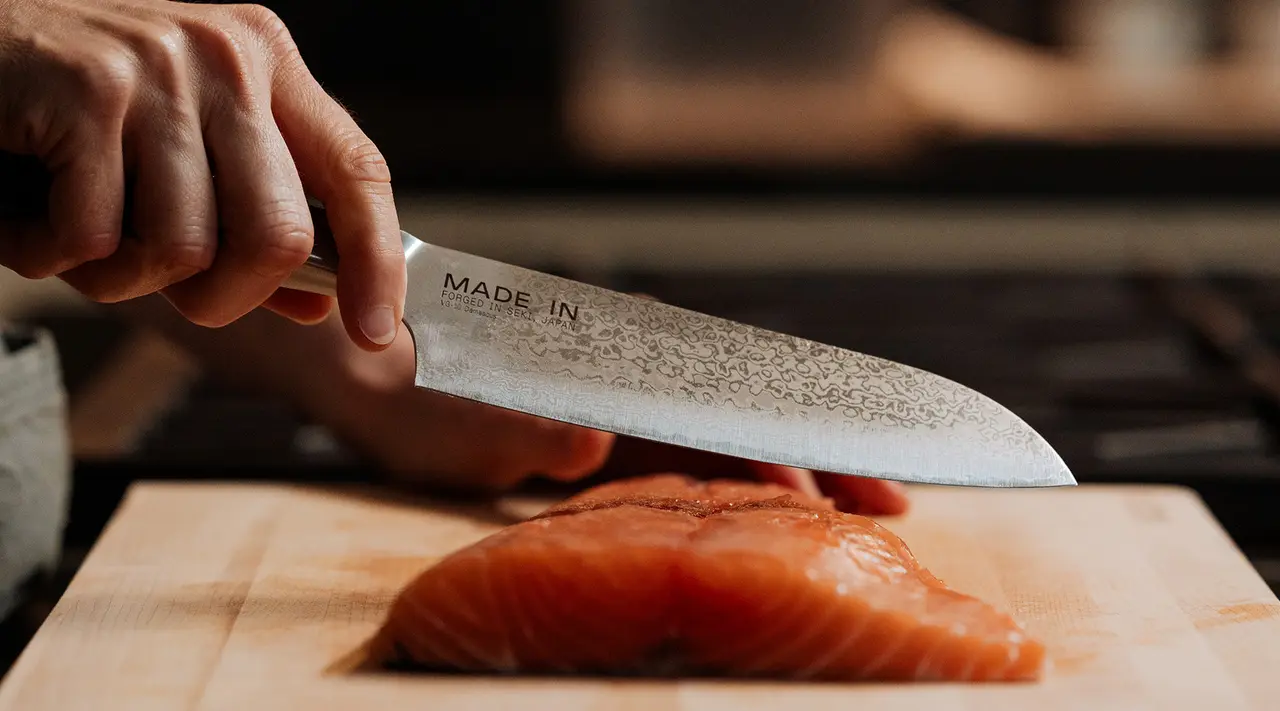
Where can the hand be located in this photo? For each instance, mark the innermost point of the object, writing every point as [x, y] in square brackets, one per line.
[431, 440]
[211, 116]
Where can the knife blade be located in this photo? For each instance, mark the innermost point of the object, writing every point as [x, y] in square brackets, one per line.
[560, 349]
[535, 343]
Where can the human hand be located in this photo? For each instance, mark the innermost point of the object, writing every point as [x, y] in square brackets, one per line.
[211, 117]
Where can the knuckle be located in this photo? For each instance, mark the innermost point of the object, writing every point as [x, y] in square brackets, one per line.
[233, 41]
[162, 50]
[275, 36]
[356, 157]
[270, 32]
[92, 246]
[193, 251]
[108, 78]
[260, 20]
[284, 241]
[228, 59]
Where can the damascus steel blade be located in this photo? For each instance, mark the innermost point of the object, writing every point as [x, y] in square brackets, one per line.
[559, 349]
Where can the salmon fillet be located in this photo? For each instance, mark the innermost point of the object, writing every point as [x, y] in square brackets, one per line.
[668, 575]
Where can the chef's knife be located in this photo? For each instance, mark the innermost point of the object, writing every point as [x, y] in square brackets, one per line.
[560, 349]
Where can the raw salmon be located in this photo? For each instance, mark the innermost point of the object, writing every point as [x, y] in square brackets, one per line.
[667, 575]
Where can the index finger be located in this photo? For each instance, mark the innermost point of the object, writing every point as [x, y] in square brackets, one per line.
[340, 165]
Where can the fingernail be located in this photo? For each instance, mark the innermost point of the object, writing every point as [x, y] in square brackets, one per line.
[379, 325]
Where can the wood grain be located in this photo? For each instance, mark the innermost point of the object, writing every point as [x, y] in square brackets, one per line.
[221, 597]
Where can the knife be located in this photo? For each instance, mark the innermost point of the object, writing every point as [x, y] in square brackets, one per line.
[519, 339]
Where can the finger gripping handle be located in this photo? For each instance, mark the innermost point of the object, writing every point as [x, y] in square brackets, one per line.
[24, 195]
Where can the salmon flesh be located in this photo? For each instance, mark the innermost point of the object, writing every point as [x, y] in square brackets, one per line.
[672, 576]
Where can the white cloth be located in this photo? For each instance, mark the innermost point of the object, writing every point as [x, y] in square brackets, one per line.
[35, 459]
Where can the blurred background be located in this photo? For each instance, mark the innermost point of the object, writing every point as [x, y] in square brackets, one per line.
[1070, 205]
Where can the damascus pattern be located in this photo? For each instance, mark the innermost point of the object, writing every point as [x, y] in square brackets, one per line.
[562, 349]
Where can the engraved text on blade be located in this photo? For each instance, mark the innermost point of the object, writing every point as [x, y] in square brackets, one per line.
[565, 328]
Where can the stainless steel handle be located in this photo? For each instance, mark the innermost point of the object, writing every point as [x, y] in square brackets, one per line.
[320, 272]
[24, 194]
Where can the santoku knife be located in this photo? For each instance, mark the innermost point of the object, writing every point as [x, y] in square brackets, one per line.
[560, 349]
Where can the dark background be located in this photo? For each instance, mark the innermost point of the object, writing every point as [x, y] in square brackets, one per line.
[466, 97]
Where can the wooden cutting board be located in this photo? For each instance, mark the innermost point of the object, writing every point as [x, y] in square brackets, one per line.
[224, 597]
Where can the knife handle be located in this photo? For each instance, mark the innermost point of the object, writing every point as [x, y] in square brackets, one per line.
[24, 195]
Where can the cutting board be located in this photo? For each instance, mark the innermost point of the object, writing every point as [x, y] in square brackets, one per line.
[228, 597]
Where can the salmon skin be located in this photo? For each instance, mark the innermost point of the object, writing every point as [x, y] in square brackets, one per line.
[667, 575]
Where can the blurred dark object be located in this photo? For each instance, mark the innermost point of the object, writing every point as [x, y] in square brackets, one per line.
[479, 98]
